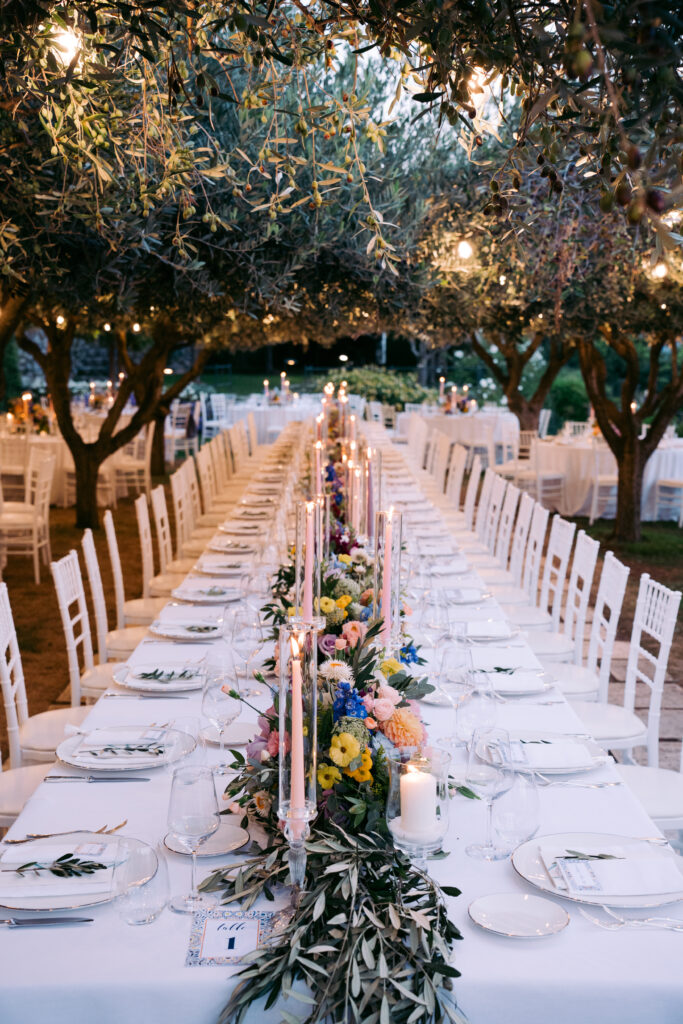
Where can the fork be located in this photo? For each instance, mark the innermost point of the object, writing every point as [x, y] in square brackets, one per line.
[543, 780]
[30, 836]
[664, 923]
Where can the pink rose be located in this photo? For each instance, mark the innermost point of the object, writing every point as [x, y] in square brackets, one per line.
[273, 744]
[340, 644]
[382, 710]
[353, 632]
[368, 701]
[387, 692]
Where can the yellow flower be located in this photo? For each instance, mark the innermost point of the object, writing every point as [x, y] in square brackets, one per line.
[327, 776]
[389, 667]
[343, 749]
[346, 559]
[326, 605]
[362, 773]
[343, 601]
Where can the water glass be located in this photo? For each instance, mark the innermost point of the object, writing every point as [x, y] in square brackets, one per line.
[517, 814]
[141, 903]
[219, 706]
[192, 817]
[489, 776]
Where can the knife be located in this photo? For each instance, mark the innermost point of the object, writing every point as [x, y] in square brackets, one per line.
[145, 696]
[37, 922]
[92, 778]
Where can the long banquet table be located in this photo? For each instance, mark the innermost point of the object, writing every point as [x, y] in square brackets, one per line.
[109, 972]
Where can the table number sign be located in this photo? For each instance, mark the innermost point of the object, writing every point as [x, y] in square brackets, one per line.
[225, 936]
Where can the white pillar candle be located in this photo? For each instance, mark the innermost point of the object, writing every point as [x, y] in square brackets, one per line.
[418, 803]
[386, 583]
[308, 564]
[442, 388]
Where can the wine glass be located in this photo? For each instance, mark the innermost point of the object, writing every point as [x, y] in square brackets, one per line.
[140, 903]
[489, 775]
[516, 815]
[219, 706]
[478, 711]
[192, 817]
[247, 640]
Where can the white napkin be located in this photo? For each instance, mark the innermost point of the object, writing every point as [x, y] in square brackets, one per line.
[13, 886]
[518, 681]
[229, 563]
[555, 753]
[242, 528]
[101, 738]
[491, 629]
[634, 874]
[206, 590]
[184, 615]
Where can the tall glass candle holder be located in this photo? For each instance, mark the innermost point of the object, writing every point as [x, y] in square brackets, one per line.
[417, 800]
[324, 500]
[298, 741]
[308, 557]
[387, 579]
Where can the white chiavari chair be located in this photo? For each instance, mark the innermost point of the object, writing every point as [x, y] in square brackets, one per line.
[25, 525]
[112, 644]
[483, 549]
[566, 644]
[163, 583]
[605, 480]
[137, 611]
[167, 563]
[545, 614]
[617, 727]
[499, 548]
[511, 545]
[587, 681]
[531, 563]
[86, 679]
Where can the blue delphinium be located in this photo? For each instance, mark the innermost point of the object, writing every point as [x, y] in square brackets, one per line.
[366, 613]
[409, 654]
[347, 701]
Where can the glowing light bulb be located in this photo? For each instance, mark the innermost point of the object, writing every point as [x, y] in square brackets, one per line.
[136, 327]
[660, 270]
[465, 250]
[107, 328]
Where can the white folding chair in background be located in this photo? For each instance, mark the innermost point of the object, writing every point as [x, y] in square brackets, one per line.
[456, 472]
[566, 644]
[138, 611]
[605, 480]
[465, 520]
[86, 680]
[545, 615]
[163, 583]
[544, 422]
[112, 644]
[210, 424]
[25, 525]
[590, 680]
[617, 727]
[484, 445]
[544, 483]
[178, 430]
[133, 466]
[13, 465]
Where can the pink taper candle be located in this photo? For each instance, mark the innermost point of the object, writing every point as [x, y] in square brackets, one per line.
[297, 796]
[318, 467]
[386, 583]
[308, 564]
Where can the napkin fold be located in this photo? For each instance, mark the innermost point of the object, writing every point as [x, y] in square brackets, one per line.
[14, 886]
[550, 753]
[85, 754]
[492, 629]
[629, 873]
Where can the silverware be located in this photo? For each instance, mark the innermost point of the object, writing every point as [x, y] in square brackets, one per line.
[31, 836]
[543, 780]
[145, 696]
[617, 921]
[93, 778]
[190, 640]
[39, 922]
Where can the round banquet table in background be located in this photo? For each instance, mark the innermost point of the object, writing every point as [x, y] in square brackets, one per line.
[576, 460]
[468, 428]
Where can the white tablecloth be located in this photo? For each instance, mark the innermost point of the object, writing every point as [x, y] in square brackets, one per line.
[109, 972]
[467, 428]
[271, 419]
[576, 461]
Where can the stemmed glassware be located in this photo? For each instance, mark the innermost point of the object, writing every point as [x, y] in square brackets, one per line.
[247, 640]
[219, 707]
[192, 817]
[516, 815]
[489, 775]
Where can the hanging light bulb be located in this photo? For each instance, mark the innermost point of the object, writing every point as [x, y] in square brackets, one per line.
[465, 250]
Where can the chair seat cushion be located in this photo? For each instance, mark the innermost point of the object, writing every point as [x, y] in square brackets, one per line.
[610, 723]
[553, 646]
[511, 595]
[193, 548]
[571, 679]
[527, 617]
[659, 790]
[164, 583]
[41, 734]
[183, 565]
[676, 484]
[18, 784]
[97, 679]
[140, 611]
[122, 642]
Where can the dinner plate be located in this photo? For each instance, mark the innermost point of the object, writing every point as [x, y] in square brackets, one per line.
[215, 594]
[515, 682]
[240, 529]
[225, 839]
[518, 915]
[528, 863]
[191, 632]
[590, 754]
[168, 677]
[141, 866]
[236, 735]
[176, 746]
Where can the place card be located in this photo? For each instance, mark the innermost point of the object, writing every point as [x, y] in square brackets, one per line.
[221, 937]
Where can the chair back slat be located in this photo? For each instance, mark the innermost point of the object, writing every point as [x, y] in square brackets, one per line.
[11, 679]
[73, 610]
